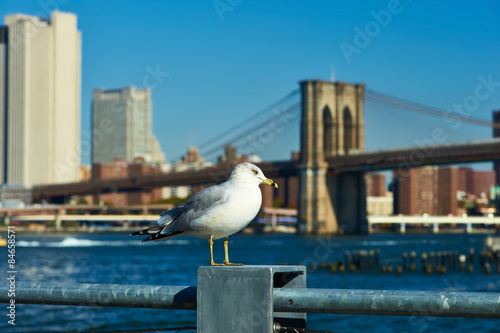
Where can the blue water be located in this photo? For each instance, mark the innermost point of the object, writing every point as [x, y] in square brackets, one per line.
[119, 258]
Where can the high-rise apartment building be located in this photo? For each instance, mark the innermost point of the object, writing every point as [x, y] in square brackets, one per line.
[426, 190]
[39, 99]
[447, 190]
[122, 126]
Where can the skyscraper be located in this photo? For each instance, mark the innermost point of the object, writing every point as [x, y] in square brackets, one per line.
[39, 99]
[4, 37]
[121, 126]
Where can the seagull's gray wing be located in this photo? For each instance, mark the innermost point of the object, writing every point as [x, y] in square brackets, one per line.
[176, 220]
[199, 204]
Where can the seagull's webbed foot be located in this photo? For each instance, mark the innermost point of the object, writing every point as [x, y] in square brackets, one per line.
[212, 263]
[226, 260]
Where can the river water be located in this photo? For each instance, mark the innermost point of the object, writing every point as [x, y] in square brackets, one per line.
[119, 258]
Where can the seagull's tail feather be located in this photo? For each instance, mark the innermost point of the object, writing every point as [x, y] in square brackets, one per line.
[166, 219]
[155, 234]
[169, 216]
[148, 231]
[159, 236]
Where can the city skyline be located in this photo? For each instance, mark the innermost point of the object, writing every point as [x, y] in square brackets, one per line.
[237, 61]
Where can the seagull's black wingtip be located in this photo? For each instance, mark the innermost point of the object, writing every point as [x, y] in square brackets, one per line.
[147, 239]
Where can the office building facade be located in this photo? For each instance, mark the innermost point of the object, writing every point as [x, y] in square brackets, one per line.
[40, 100]
[122, 126]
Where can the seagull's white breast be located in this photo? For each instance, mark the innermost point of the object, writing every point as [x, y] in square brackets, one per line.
[240, 206]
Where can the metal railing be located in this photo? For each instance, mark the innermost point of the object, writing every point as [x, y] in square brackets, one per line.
[335, 301]
[106, 295]
[274, 289]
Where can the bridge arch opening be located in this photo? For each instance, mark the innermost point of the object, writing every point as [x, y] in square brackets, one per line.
[328, 132]
[348, 130]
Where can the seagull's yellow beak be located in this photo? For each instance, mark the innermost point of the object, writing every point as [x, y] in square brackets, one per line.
[270, 182]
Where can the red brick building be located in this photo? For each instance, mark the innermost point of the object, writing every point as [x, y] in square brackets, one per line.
[122, 169]
[375, 185]
[475, 183]
[447, 191]
[426, 190]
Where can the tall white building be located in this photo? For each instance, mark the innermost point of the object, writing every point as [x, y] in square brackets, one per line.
[122, 119]
[40, 99]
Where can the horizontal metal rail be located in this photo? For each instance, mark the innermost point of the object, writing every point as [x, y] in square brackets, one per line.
[106, 295]
[389, 302]
[337, 301]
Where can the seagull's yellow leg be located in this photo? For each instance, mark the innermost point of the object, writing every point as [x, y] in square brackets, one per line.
[226, 261]
[211, 243]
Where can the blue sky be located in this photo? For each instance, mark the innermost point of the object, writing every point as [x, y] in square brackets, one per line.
[219, 62]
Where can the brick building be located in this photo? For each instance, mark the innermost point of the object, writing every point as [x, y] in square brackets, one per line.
[121, 169]
[447, 191]
[475, 183]
[379, 201]
[426, 190]
[375, 185]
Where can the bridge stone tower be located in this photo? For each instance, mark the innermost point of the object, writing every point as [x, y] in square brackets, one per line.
[332, 124]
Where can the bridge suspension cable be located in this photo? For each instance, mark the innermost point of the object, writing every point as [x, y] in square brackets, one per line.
[207, 148]
[249, 119]
[387, 100]
[248, 133]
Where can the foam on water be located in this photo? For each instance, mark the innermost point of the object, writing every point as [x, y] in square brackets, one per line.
[392, 242]
[79, 242]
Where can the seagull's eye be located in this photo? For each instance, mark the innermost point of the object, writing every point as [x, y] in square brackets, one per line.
[254, 172]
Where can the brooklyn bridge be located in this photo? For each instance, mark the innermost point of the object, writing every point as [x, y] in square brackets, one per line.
[330, 167]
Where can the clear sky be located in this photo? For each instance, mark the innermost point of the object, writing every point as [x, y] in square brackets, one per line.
[219, 62]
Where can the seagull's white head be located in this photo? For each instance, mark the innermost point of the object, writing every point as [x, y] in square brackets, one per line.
[249, 173]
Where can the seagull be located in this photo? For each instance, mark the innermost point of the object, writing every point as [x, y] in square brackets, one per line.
[215, 212]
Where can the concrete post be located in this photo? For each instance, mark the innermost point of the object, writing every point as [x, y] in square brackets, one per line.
[6, 219]
[240, 298]
[58, 220]
[274, 221]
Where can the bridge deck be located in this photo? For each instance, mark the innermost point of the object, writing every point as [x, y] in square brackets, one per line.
[487, 150]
